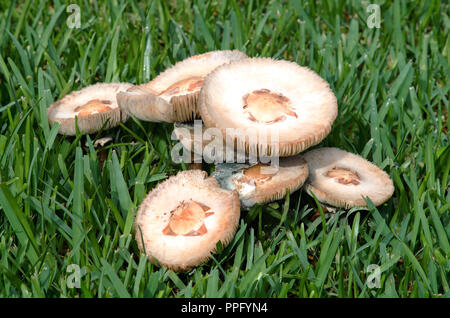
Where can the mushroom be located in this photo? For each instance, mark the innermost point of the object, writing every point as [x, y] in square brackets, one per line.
[93, 106]
[172, 95]
[262, 183]
[258, 95]
[180, 222]
[342, 179]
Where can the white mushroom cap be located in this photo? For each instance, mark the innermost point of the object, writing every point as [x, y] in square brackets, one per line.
[172, 95]
[180, 222]
[262, 183]
[93, 105]
[342, 179]
[257, 94]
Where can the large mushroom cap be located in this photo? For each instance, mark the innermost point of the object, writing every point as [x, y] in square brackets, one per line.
[263, 94]
[342, 179]
[172, 95]
[262, 183]
[93, 105]
[180, 222]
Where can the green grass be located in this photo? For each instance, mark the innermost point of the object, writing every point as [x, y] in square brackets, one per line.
[59, 207]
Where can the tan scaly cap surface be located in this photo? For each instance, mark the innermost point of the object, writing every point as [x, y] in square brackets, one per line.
[172, 95]
[93, 105]
[258, 94]
[262, 183]
[342, 179]
[180, 222]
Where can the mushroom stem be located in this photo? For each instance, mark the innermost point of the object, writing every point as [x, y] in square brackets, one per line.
[195, 166]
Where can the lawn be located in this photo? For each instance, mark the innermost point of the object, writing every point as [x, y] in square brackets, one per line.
[67, 209]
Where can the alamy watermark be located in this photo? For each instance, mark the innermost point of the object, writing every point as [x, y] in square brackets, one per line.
[236, 146]
[74, 20]
[374, 278]
[74, 279]
[374, 19]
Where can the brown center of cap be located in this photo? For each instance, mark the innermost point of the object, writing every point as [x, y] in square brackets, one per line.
[255, 173]
[93, 106]
[263, 106]
[188, 219]
[344, 176]
[188, 85]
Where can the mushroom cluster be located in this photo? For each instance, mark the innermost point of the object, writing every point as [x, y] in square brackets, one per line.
[278, 109]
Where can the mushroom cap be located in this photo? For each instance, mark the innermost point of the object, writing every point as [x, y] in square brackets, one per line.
[172, 95]
[262, 183]
[180, 222]
[342, 179]
[259, 94]
[93, 105]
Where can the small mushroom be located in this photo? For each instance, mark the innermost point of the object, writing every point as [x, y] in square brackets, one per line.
[262, 183]
[172, 95]
[93, 106]
[260, 95]
[342, 179]
[180, 222]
